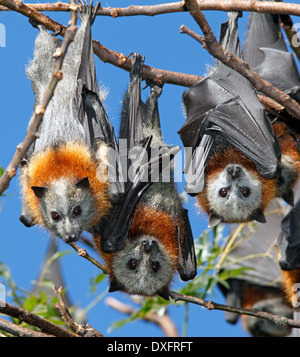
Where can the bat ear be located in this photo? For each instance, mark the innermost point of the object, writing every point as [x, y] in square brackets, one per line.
[289, 197]
[258, 216]
[213, 220]
[115, 286]
[164, 293]
[39, 191]
[83, 184]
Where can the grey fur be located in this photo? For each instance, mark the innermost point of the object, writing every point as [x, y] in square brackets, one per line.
[234, 207]
[142, 280]
[63, 197]
[62, 124]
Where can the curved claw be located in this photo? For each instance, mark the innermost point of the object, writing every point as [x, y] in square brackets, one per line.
[137, 64]
[88, 9]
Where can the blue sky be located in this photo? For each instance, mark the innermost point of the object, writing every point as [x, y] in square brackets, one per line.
[159, 40]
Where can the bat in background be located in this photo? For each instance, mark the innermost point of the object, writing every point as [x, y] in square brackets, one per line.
[148, 237]
[60, 187]
[234, 165]
[268, 286]
[266, 51]
[259, 284]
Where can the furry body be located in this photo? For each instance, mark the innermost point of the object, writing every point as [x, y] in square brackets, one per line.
[153, 248]
[59, 185]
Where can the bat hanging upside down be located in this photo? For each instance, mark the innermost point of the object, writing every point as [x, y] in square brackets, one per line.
[60, 187]
[239, 161]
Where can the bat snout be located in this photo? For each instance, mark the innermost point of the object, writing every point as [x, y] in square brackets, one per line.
[69, 238]
[149, 244]
[234, 171]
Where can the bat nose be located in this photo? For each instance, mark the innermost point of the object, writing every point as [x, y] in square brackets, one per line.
[69, 238]
[234, 171]
[148, 244]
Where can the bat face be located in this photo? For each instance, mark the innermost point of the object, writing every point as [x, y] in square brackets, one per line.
[66, 208]
[234, 193]
[142, 267]
[234, 190]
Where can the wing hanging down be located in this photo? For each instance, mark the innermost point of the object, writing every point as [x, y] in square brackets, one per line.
[226, 104]
[289, 237]
[257, 280]
[266, 52]
[139, 167]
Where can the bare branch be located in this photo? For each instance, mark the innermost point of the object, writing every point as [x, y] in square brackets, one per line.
[210, 305]
[19, 331]
[159, 75]
[174, 7]
[32, 132]
[80, 330]
[32, 13]
[210, 43]
[83, 253]
[32, 319]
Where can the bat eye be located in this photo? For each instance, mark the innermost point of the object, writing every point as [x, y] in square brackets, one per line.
[155, 266]
[245, 191]
[223, 192]
[77, 211]
[133, 264]
[55, 216]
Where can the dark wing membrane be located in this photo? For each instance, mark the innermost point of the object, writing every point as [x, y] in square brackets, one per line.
[137, 157]
[289, 238]
[266, 52]
[226, 104]
[187, 263]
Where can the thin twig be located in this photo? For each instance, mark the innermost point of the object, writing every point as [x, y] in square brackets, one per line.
[266, 7]
[83, 253]
[210, 305]
[80, 330]
[32, 132]
[210, 43]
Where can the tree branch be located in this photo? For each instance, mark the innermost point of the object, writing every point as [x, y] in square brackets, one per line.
[210, 43]
[210, 305]
[159, 9]
[83, 253]
[32, 319]
[59, 55]
[32, 13]
[19, 331]
[80, 330]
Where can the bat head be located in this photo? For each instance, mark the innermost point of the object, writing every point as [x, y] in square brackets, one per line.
[142, 267]
[234, 190]
[66, 208]
[234, 193]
